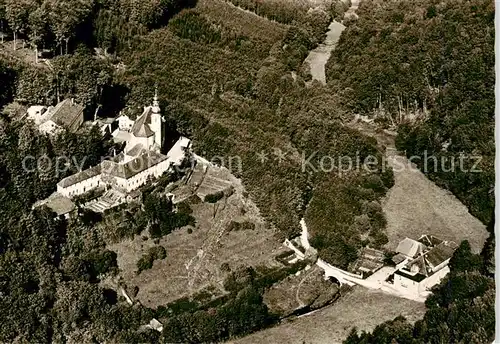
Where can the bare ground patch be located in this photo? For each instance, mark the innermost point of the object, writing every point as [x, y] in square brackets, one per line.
[362, 308]
[194, 259]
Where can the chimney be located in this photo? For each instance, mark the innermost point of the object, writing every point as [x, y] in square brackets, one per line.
[72, 101]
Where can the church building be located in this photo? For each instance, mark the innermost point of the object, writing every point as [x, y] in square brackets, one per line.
[140, 161]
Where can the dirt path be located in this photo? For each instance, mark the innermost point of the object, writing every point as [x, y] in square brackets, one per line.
[362, 308]
[318, 57]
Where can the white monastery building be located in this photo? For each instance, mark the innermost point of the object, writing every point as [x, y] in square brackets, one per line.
[141, 160]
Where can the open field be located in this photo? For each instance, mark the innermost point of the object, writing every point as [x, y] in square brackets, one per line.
[308, 289]
[194, 260]
[416, 206]
[330, 325]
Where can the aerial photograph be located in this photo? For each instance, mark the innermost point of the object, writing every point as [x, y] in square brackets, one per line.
[247, 171]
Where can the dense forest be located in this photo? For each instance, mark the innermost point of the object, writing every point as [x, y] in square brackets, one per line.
[427, 67]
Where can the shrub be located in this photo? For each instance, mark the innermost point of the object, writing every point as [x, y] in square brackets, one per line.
[147, 260]
[214, 198]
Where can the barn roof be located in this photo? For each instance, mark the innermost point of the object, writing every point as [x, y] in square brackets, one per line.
[66, 113]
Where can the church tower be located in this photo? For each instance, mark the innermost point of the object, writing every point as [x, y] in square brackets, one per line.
[156, 121]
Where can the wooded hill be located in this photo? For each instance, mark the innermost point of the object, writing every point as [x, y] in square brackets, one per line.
[225, 79]
[427, 66]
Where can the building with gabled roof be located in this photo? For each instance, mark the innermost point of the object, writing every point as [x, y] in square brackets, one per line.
[141, 160]
[420, 274]
[65, 115]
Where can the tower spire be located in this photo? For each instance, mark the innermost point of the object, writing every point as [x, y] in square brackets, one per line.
[156, 103]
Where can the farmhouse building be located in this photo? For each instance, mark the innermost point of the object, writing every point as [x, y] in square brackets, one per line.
[420, 274]
[65, 115]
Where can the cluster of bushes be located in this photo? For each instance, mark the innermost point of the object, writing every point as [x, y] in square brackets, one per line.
[22, 185]
[90, 266]
[240, 226]
[184, 208]
[160, 216]
[147, 260]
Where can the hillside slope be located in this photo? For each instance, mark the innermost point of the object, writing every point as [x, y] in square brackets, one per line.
[427, 67]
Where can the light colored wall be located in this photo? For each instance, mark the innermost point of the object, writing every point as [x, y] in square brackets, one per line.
[81, 187]
[142, 177]
[405, 284]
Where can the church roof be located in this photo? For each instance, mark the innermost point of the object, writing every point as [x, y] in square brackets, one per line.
[141, 126]
[136, 150]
